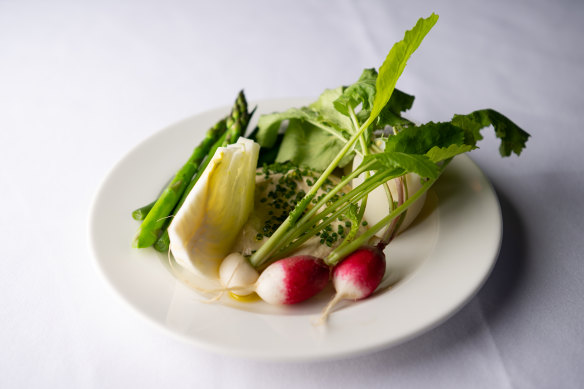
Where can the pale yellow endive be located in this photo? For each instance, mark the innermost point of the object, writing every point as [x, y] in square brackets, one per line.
[206, 226]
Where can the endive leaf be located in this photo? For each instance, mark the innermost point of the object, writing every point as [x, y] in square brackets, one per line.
[206, 226]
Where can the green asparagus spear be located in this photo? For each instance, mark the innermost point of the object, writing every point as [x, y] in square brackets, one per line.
[151, 227]
[236, 125]
[140, 213]
[237, 120]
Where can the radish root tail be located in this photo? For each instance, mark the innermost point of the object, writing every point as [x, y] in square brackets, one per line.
[328, 309]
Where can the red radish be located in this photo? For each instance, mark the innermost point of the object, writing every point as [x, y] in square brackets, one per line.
[287, 281]
[292, 280]
[357, 276]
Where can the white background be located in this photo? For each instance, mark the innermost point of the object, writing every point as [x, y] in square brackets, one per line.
[83, 82]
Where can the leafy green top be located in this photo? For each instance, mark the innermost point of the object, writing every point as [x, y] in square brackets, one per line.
[354, 119]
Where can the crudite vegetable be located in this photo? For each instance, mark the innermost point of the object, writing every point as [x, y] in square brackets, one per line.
[157, 215]
[286, 281]
[285, 210]
[206, 226]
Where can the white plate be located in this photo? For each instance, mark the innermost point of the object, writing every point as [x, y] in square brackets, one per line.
[434, 267]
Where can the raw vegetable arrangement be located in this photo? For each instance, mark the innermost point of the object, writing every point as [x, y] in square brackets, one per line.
[283, 210]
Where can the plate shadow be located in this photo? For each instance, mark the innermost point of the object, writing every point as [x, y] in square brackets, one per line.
[509, 269]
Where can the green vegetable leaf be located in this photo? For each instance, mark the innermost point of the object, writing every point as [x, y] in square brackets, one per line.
[269, 125]
[512, 137]
[400, 102]
[419, 164]
[437, 154]
[420, 139]
[306, 145]
[390, 115]
[328, 114]
[324, 136]
[361, 92]
[321, 114]
[396, 61]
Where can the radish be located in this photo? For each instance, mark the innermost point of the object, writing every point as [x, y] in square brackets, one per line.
[357, 276]
[236, 273]
[287, 281]
[292, 280]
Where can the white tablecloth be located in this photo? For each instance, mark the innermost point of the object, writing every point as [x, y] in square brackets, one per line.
[83, 82]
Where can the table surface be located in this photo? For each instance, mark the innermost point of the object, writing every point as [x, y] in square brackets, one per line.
[81, 83]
